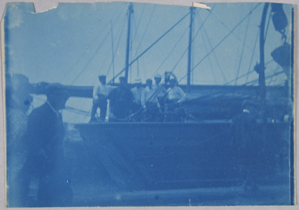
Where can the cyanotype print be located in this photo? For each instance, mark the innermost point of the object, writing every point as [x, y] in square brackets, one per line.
[128, 104]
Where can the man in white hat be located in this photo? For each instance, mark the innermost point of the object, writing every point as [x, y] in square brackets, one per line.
[136, 91]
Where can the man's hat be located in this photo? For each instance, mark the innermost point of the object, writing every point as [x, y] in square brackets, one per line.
[122, 78]
[149, 80]
[102, 77]
[158, 76]
[138, 80]
[248, 102]
[56, 89]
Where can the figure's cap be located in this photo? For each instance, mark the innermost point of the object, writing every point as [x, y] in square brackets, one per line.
[248, 102]
[158, 76]
[57, 89]
[102, 77]
[149, 80]
[138, 80]
[122, 79]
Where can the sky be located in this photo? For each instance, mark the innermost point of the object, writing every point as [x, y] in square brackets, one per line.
[72, 44]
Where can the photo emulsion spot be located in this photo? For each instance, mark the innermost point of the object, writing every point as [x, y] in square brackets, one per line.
[131, 104]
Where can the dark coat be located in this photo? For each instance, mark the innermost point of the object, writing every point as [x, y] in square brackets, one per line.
[45, 160]
[246, 138]
[245, 131]
[45, 136]
[121, 100]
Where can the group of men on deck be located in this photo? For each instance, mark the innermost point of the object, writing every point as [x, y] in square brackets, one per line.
[153, 100]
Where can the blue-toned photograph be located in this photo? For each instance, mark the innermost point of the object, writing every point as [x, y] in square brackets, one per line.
[133, 104]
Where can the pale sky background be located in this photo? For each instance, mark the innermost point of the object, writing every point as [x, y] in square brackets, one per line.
[72, 44]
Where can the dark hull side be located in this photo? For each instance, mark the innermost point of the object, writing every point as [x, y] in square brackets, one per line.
[178, 155]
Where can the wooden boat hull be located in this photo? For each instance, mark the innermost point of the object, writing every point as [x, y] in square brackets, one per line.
[176, 155]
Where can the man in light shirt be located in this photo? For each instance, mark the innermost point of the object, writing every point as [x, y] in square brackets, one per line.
[175, 93]
[149, 100]
[100, 93]
[137, 91]
[175, 96]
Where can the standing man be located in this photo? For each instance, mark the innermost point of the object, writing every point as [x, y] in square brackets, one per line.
[174, 97]
[246, 143]
[149, 101]
[136, 91]
[121, 100]
[175, 93]
[160, 91]
[100, 94]
[45, 161]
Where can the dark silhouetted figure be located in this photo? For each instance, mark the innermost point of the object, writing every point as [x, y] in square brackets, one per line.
[45, 161]
[121, 99]
[246, 136]
[18, 101]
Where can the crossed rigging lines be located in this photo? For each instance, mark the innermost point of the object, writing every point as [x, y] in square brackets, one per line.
[222, 39]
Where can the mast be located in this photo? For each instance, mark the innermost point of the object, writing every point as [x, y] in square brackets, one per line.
[261, 69]
[190, 48]
[112, 52]
[130, 11]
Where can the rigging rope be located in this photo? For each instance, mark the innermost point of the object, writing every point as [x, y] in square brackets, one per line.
[238, 38]
[145, 30]
[77, 61]
[120, 36]
[91, 58]
[210, 62]
[91, 44]
[216, 58]
[257, 35]
[244, 41]
[152, 45]
[223, 39]
[210, 12]
[170, 52]
[138, 22]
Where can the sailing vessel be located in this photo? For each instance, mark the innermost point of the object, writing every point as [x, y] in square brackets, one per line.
[194, 152]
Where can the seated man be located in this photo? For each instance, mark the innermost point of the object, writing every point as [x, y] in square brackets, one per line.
[150, 102]
[175, 96]
[121, 99]
[100, 93]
